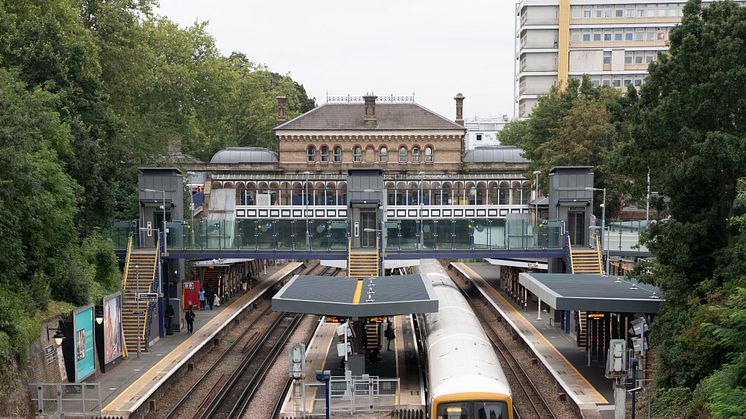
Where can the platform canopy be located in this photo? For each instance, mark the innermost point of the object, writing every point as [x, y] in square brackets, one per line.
[585, 292]
[345, 297]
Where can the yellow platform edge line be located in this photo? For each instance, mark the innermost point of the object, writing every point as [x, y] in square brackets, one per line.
[358, 292]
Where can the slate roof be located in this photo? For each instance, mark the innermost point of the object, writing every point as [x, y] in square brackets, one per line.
[389, 116]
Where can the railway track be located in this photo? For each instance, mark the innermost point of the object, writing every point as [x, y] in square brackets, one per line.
[233, 397]
[537, 404]
[249, 339]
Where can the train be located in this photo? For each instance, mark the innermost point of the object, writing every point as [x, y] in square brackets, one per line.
[465, 379]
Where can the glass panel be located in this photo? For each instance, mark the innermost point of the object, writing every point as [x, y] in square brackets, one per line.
[409, 230]
[428, 234]
[285, 237]
[338, 235]
[497, 233]
[265, 234]
[518, 233]
[246, 234]
[175, 235]
[481, 234]
[444, 228]
[319, 234]
[392, 235]
[463, 232]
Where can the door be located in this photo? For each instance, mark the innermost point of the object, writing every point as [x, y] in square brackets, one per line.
[367, 228]
[576, 227]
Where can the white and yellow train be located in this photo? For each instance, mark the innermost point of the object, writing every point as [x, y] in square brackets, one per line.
[465, 379]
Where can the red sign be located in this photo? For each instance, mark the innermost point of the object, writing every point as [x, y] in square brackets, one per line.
[190, 294]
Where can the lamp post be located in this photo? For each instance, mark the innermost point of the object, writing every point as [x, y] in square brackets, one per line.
[139, 313]
[421, 241]
[536, 197]
[603, 224]
[305, 211]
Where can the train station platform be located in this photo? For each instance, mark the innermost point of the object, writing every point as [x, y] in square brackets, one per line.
[559, 353]
[400, 362]
[127, 388]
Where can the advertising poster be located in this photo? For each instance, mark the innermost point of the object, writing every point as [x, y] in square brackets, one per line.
[112, 327]
[190, 294]
[85, 363]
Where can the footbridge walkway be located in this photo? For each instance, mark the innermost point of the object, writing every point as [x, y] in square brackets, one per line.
[329, 240]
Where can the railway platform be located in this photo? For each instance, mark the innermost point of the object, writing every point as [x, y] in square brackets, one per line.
[586, 386]
[129, 389]
[401, 362]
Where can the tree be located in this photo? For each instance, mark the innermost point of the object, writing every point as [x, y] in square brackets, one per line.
[690, 131]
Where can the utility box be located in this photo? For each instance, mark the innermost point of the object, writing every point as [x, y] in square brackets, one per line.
[616, 359]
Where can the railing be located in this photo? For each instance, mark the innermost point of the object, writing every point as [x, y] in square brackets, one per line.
[66, 400]
[332, 235]
[150, 307]
[127, 263]
[568, 253]
[362, 394]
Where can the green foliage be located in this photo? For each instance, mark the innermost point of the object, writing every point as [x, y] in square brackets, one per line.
[575, 126]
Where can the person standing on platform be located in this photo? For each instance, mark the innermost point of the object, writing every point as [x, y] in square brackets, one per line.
[189, 317]
[202, 299]
[211, 299]
[390, 335]
[169, 316]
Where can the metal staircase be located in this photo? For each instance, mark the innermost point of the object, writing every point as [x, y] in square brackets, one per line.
[362, 263]
[372, 335]
[583, 261]
[140, 276]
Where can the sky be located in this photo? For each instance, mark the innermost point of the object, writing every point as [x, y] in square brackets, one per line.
[432, 48]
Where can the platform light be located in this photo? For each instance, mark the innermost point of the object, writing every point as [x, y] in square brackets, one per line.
[99, 314]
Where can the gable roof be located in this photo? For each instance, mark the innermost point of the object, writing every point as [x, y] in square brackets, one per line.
[350, 117]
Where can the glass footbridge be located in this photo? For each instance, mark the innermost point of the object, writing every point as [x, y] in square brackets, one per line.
[328, 239]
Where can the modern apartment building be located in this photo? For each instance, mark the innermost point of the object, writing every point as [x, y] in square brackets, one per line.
[612, 41]
[483, 132]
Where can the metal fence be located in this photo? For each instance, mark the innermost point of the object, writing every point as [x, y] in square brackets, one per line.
[57, 400]
[361, 394]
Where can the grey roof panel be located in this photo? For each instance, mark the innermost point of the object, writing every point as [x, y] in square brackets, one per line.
[334, 296]
[588, 292]
[389, 116]
[236, 155]
[495, 154]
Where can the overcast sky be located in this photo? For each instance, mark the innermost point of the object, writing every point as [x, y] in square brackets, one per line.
[434, 48]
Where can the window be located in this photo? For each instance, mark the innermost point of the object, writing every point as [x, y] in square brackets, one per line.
[618, 35]
[628, 57]
[415, 155]
[619, 13]
[337, 154]
[627, 82]
[599, 12]
[575, 36]
[479, 137]
[403, 154]
[587, 13]
[639, 36]
[428, 155]
[596, 36]
[607, 37]
[607, 57]
[617, 83]
[630, 10]
[628, 36]
[324, 154]
[311, 154]
[357, 154]
[638, 82]
[383, 155]
[586, 37]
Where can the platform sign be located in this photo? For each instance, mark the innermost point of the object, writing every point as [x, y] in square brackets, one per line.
[112, 327]
[147, 296]
[85, 363]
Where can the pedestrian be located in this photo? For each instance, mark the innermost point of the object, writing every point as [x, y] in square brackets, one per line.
[217, 301]
[211, 299]
[189, 317]
[202, 299]
[169, 316]
[390, 335]
[375, 358]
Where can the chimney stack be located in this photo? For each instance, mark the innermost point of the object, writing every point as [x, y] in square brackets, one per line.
[460, 109]
[370, 110]
[282, 115]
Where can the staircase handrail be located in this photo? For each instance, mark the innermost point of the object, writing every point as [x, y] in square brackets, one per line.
[149, 308]
[569, 250]
[127, 263]
[598, 252]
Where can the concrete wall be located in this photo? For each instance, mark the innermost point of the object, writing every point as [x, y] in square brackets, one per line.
[587, 61]
[536, 85]
[540, 15]
[540, 38]
[539, 61]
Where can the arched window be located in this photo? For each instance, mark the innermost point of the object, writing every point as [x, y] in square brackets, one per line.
[357, 154]
[415, 155]
[337, 154]
[402, 154]
[311, 154]
[383, 155]
[324, 154]
[428, 154]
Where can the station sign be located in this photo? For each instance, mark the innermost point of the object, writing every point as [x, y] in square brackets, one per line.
[596, 316]
[147, 296]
